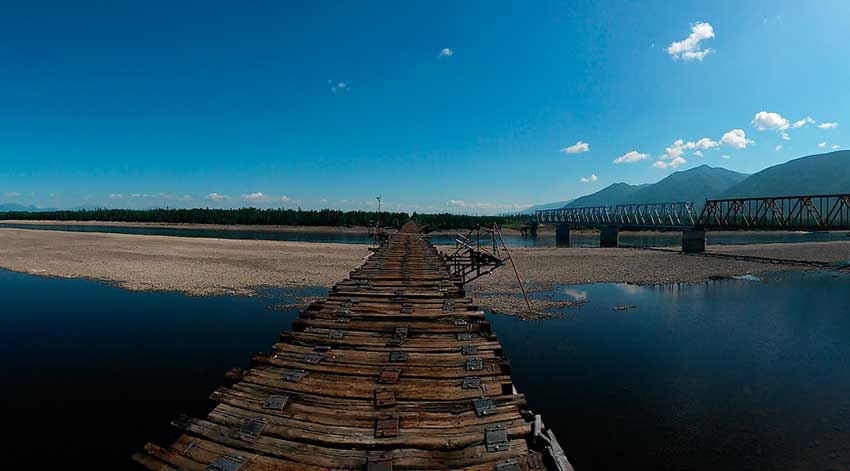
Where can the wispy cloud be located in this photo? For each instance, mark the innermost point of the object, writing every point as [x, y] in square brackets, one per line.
[254, 197]
[631, 156]
[116, 196]
[779, 148]
[675, 163]
[485, 207]
[690, 48]
[338, 86]
[803, 122]
[12, 194]
[446, 52]
[822, 145]
[592, 178]
[576, 148]
[828, 125]
[217, 197]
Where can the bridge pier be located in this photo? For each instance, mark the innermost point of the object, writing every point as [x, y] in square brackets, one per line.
[609, 236]
[562, 235]
[693, 241]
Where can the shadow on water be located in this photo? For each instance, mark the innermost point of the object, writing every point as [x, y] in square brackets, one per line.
[90, 372]
[730, 374]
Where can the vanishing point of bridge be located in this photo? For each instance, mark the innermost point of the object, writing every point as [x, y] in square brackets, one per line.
[788, 213]
[396, 370]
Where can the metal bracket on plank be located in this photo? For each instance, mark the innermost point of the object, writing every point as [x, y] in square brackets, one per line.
[293, 376]
[384, 398]
[389, 376]
[464, 336]
[336, 334]
[227, 463]
[449, 305]
[387, 427]
[496, 439]
[469, 350]
[400, 334]
[251, 428]
[275, 402]
[471, 382]
[379, 463]
[509, 465]
[398, 357]
[407, 308]
[343, 320]
[474, 364]
[313, 358]
[461, 322]
[483, 406]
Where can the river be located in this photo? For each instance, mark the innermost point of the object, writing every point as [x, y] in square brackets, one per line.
[729, 374]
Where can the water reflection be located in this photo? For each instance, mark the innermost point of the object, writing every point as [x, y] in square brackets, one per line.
[729, 374]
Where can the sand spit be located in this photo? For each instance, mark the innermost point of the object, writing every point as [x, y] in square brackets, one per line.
[206, 266]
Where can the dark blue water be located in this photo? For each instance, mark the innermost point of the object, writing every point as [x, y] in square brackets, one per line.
[731, 374]
[90, 373]
[579, 239]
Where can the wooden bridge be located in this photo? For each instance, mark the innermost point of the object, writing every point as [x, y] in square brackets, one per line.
[395, 370]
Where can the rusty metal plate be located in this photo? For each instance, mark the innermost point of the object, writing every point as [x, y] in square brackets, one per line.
[471, 382]
[449, 305]
[389, 376]
[313, 358]
[398, 357]
[380, 465]
[510, 465]
[469, 350]
[251, 428]
[384, 398]
[293, 375]
[483, 406]
[464, 336]
[496, 439]
[474, 364]
[275, 402]
[336, 334]
[388, 427]
[400, 333]
[227, 463]
[343, 320]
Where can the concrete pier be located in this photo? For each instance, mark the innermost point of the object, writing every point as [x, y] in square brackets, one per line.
[609, 236]
[693, 241]
[562, 235]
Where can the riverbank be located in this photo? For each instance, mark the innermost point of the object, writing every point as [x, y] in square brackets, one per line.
[208, 266]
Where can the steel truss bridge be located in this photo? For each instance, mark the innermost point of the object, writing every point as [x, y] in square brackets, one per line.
[813, 212]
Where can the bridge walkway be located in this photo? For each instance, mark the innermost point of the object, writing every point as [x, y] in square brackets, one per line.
[396, 370]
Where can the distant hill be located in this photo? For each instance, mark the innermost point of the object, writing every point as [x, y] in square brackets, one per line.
[617, 193]
[20, 207]
[696, 185]
[812, 175]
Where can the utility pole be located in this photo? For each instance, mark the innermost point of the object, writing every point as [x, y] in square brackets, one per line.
[379, 202]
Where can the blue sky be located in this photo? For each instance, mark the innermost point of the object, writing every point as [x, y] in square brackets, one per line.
[437, 106]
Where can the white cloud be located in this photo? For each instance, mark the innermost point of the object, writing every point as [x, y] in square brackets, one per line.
[675, 163]
[785, 136]
[284, 199]
[338, 86]
[12, 194]
[258, 196]
[736, 138]
[216, 197]
[116, 196]
[704, 143]
[765, 120]
[835, 146]
[698, 153]
[631, 156]
[680, 146]
[802, 122]
[822, 145]
[779, 148]
[690, 48]
[577, 148]
[592, 178]
[828, 125]
[446, 52]
[724, 156]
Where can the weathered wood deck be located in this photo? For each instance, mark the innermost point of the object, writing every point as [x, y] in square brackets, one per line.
[396, 370]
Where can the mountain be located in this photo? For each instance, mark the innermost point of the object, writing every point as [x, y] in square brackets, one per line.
[611, 195]
[18, 207]
[531, 210]
[696, 185]
[820, 174]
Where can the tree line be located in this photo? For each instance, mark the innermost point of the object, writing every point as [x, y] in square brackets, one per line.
[257, 216]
